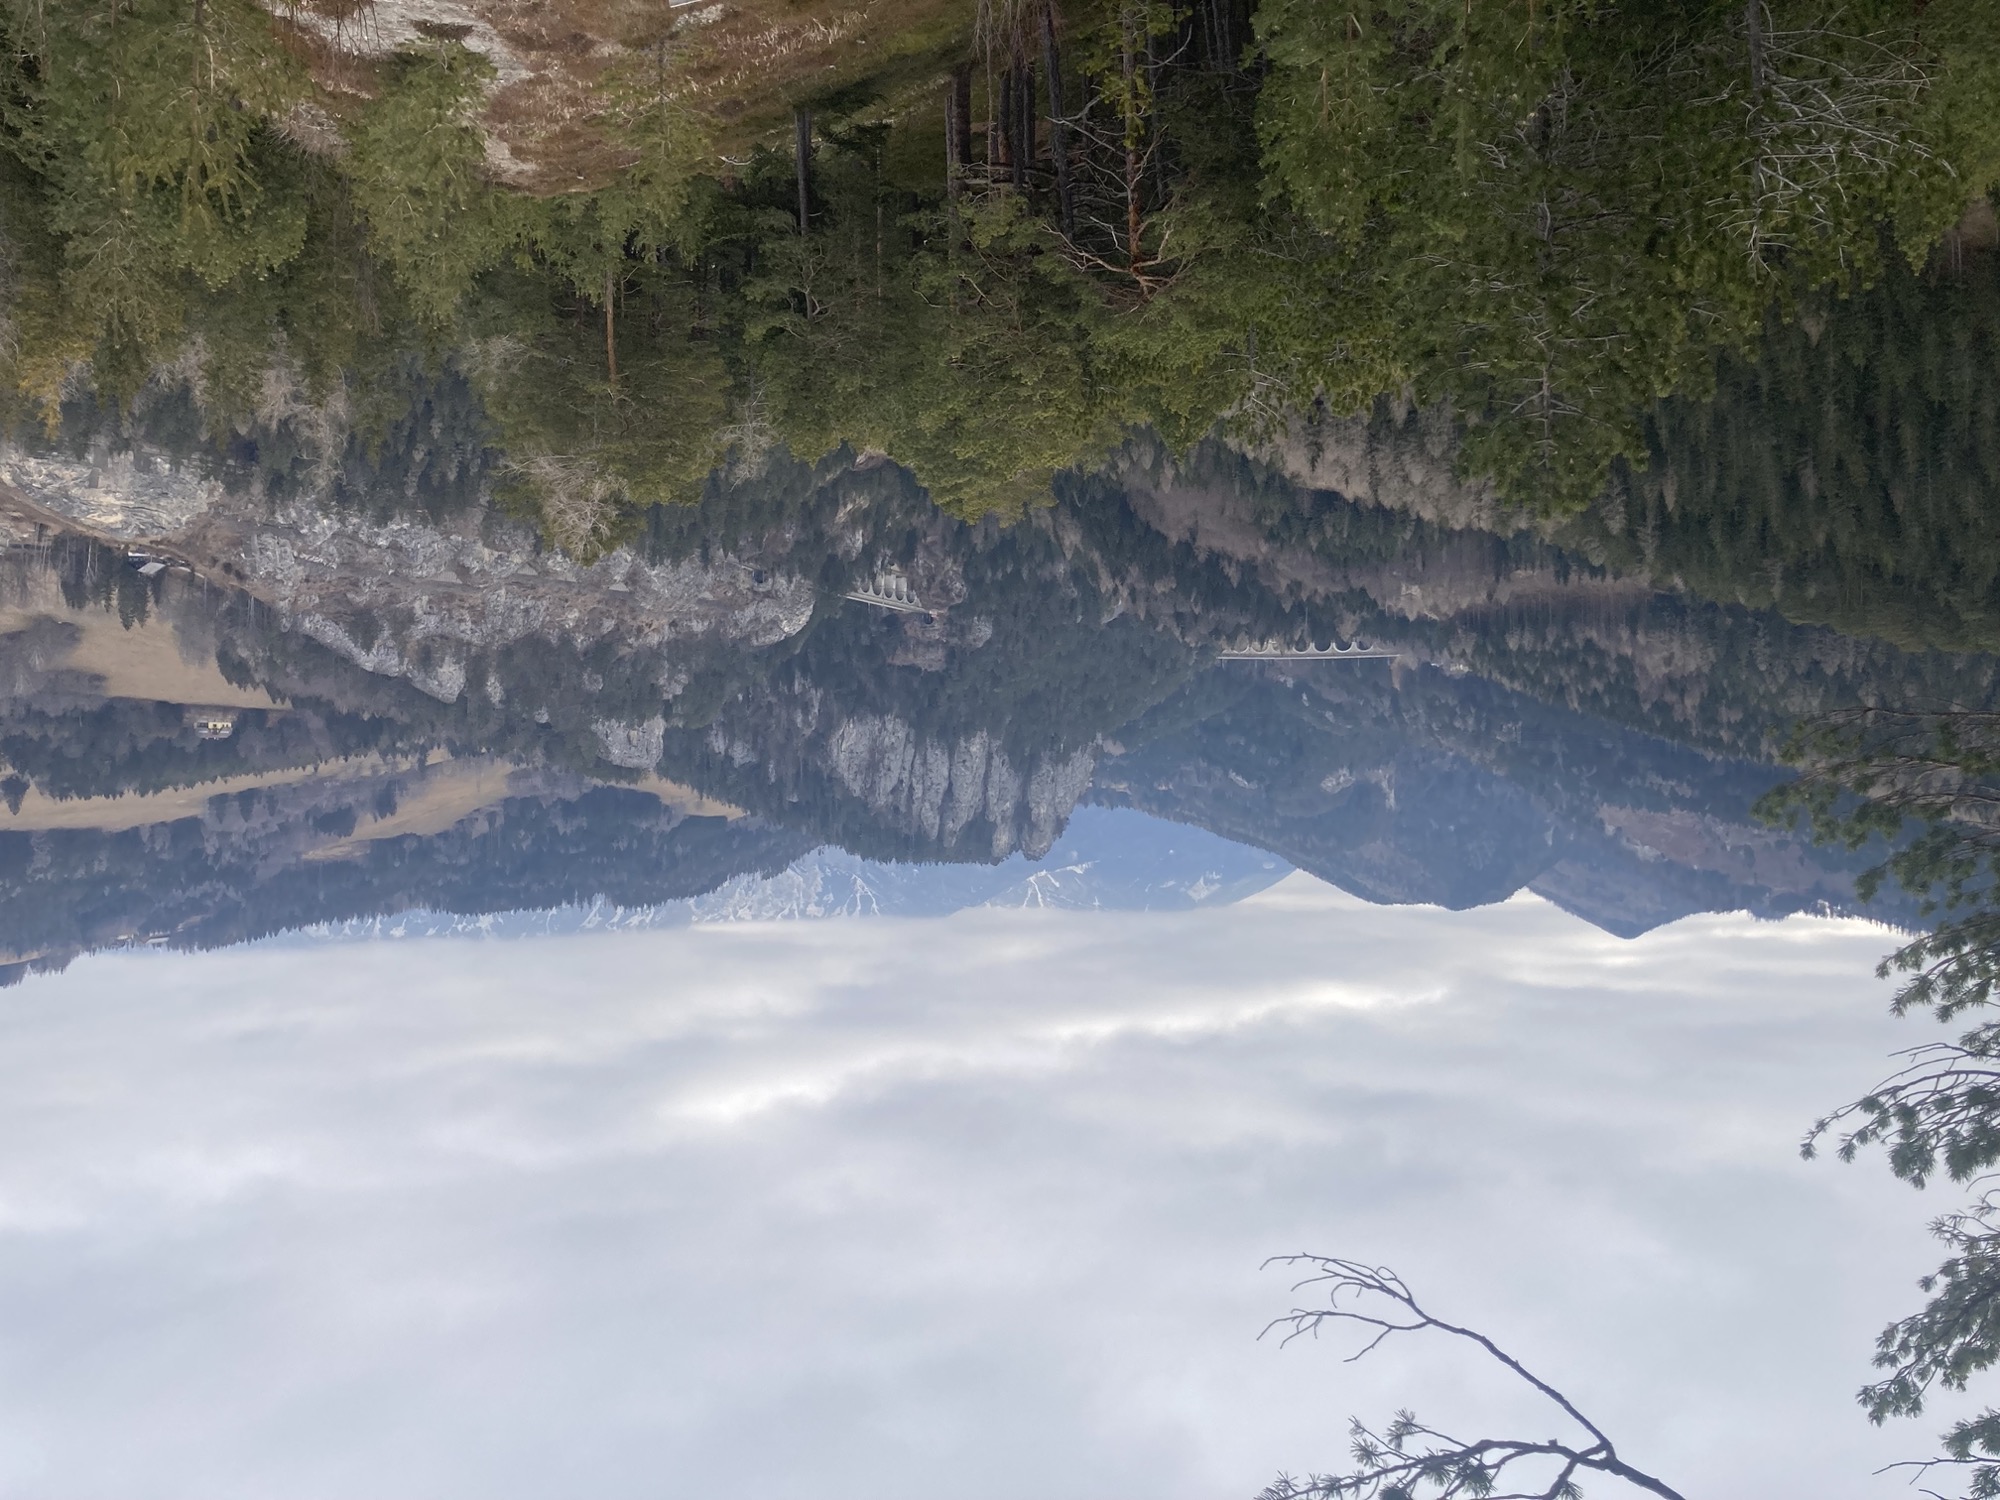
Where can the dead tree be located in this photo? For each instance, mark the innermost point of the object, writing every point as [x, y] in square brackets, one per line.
[1105, 158]
[1109, 170]
[1818, 116]
[1406, 1453]
[1005, 33]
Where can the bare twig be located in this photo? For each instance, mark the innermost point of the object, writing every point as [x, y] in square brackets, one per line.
[1406, 1453]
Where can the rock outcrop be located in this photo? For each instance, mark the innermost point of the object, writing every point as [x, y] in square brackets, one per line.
[1394, 459]
[411, 596]
[934, 789]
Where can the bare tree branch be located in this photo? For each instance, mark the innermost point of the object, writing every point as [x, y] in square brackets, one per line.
[1391, 1464]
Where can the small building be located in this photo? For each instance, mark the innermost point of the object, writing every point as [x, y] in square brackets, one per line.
[212, 723]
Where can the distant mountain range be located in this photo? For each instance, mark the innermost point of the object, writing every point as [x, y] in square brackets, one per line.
[1455, 791]
[1110, 859]
[430, 724]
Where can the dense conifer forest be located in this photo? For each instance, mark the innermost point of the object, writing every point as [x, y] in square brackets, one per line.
[1182, 216]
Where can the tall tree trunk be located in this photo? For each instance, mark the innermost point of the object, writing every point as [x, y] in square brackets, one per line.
[1128, 63]
[1753, 19]
[802, 142]
[367, 309]
[961, 111]
[1021, 117]
[954, 147]
[1154, 68]
[1753, 15]
[1009, 97]
[1058, 129]
[610, 329]
[1024, 112]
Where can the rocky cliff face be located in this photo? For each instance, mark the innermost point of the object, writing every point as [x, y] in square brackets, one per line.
[437, 601]
[411, 595]
[934, 788]
[414, 599]
[128, 491]
[962, 797]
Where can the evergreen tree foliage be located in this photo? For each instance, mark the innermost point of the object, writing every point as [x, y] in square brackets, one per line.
[1586, 198]
[1547, 216]
[1924, 786]
[1847, 474]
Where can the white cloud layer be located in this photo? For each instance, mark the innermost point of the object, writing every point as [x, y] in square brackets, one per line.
[970, 1207]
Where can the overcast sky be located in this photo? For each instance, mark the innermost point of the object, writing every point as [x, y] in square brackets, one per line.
[969, 1208]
